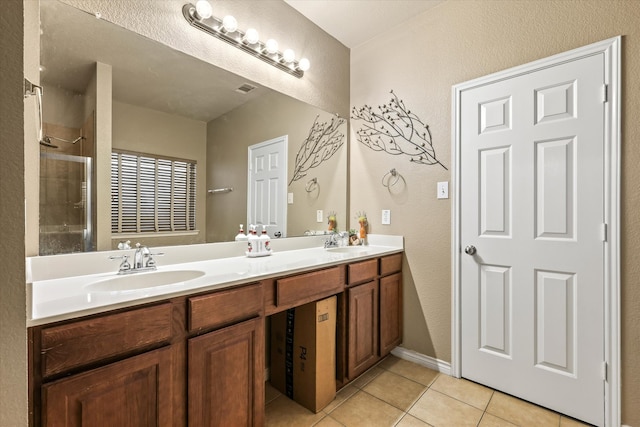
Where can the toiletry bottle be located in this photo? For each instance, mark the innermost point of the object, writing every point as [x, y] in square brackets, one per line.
[241, 237]
[250, 248]
[265, 241]
[254, 240]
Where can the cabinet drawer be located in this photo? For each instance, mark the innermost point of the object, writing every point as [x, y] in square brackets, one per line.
[84, 342]
[309, 287]
[390, 264]
[363, 271]
[224, 307]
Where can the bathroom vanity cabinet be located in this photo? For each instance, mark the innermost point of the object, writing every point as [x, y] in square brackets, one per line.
[374, 312]
[201, 354]
[225, 367]
[200, 359]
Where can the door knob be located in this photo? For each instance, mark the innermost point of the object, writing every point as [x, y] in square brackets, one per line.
[470, 250]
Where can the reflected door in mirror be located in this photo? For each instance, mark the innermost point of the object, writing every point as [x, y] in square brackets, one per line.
[267, 201]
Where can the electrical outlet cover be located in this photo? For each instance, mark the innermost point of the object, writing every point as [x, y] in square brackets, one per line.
[386, 217]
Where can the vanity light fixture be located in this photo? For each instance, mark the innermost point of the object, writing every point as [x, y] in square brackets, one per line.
[201, 16]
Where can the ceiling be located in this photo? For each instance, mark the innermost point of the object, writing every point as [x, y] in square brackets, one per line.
[353, 22]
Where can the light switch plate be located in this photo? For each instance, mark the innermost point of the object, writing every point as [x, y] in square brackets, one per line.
[386, 217]
[319, 216]
[290, 198]
[443, 190]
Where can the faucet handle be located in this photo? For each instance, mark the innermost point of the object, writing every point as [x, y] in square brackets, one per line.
[124, 265]
[150, 261]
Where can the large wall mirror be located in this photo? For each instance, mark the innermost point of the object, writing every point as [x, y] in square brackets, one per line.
[107, 89]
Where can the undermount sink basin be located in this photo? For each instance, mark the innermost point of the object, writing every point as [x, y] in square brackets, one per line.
[138, 281]
[349, 250]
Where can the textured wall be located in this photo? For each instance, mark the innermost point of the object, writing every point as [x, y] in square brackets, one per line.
[452, 43]
[13, 352]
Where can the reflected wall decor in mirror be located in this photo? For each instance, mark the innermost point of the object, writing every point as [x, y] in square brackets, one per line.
[112, 90]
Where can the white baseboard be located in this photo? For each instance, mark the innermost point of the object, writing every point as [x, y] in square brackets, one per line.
[408, 355]
[422, 360]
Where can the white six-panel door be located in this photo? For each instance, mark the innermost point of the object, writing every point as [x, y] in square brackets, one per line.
[532, 209]
[267, 195]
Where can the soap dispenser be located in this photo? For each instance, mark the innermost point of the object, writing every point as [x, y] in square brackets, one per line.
[241, 237]
[254, 241]
[265, 240]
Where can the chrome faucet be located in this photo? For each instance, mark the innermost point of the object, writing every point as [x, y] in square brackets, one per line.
[139, 256]
[142, 261]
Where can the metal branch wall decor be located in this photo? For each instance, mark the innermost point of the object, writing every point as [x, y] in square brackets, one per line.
[395, 130]
[324, 140]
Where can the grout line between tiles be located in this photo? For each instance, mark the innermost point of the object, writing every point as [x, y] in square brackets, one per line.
[461, 401]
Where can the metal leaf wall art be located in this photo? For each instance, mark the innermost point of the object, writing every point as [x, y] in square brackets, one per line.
[395, 130]
[324, 140]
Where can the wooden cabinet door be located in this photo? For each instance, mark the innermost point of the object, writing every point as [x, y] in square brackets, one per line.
[138, 391]
[362, 328]
[226, 376]
[390, 313]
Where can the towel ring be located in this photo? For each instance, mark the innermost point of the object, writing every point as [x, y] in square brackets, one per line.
[393, 173]
[311, 185]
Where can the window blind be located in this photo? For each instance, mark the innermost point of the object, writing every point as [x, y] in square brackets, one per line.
[152, 194]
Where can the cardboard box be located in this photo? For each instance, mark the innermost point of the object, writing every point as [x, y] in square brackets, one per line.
[303, 353]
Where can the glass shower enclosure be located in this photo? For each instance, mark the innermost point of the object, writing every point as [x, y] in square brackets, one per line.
[65, 203]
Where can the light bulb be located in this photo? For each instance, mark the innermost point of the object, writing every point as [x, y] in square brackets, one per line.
[204, 9]
[289, 55]
[304, 64]
[272, 46]
[251, 36]
[229, 24]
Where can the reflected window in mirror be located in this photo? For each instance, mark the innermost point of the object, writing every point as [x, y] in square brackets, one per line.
[152, 194]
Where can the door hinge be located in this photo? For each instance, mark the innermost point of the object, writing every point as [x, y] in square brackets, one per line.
[604, 232]
[604, 371]
[605, 93]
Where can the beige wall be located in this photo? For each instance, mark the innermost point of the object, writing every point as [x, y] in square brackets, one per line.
[99, 93]
[148, 131]
[13, 362]
[455, 42]
[62, 107]
[265, 118]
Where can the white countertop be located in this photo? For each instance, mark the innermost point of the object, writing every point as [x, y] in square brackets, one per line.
[61, 289]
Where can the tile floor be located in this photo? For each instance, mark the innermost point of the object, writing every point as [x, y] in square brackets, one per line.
[400, 393]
